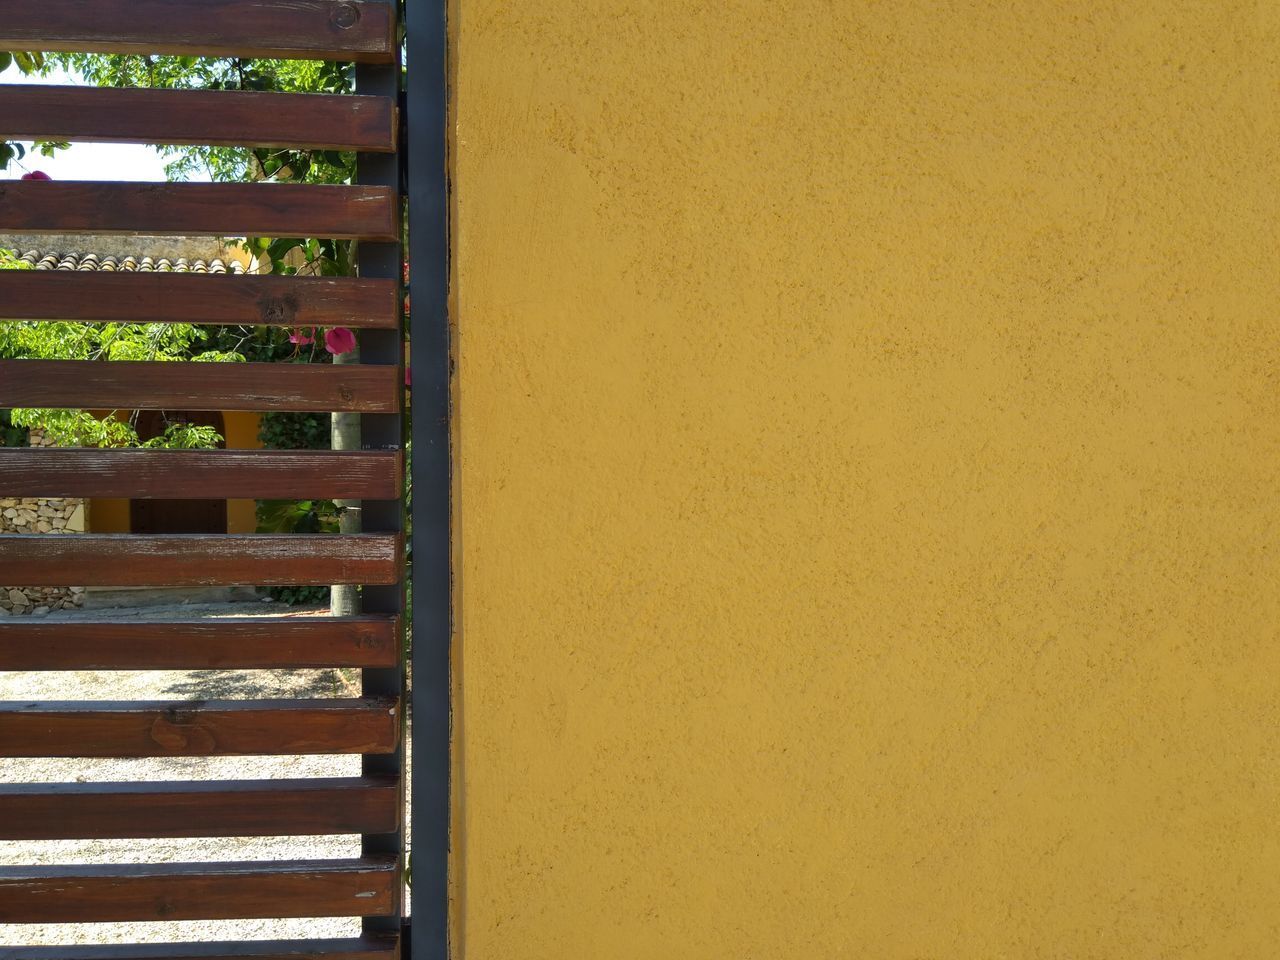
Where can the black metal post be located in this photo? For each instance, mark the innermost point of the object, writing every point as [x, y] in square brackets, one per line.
[382, 432]
[427, 109]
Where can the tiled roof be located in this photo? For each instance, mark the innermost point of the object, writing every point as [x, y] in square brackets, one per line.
[52, 260]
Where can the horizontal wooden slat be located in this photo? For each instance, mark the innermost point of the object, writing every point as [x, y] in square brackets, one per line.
[218, 209]
[198, 298]
[231, 643]
[249, 808]
[128, 385]
[305, 29]
[199, 891]
[197, 729]
[222, 117]
[356, 948]
[199, 474]
[180, 560]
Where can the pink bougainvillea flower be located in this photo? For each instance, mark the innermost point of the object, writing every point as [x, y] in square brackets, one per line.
[408, 376]
[36, 175]
[339, 340]
[301, 337]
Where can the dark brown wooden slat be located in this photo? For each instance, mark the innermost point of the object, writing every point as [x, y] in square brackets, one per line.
[199, 891]
[250, 808]
[239, 643]
[180, 560]
[197, 729]
[303, 29]
[198, 474]
[218, 209]
[361, 948]
[195, 298]
[220, 118]
[97, 385]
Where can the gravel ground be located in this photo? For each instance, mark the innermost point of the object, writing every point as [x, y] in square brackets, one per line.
[194, 685]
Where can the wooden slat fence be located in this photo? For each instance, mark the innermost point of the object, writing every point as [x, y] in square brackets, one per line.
[370, 722]
[363, 30]
[149, 298]
[217, 209]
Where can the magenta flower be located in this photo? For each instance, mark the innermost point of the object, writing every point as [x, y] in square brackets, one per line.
[408, 376]
[339, 340]
[301, 338]
[36, 175]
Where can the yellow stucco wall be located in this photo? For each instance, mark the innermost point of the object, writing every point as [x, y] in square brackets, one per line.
[241, 434]
[868, 447]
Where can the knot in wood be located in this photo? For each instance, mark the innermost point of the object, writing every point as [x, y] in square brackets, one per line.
[179, 730]
[345, 16]
[278, 310]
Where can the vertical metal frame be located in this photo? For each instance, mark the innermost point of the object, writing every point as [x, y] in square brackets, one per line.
[426, 109]
[383, 432]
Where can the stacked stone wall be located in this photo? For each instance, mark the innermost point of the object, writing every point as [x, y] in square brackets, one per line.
[40, 516]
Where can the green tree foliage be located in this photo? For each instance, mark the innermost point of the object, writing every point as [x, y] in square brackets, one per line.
[288, 255]
[296, 431]
[194, 73]
[62, 340]
[59, 340]
[27, 63]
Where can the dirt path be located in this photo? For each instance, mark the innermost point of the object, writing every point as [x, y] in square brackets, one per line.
[178, 685]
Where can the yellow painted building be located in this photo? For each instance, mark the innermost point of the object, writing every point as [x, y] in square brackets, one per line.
[867, 465]
[240, 431]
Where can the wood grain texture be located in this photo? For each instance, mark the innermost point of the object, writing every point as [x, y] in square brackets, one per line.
[199, 474]
[217, 209]
[196, 298]
[356, 948]
[216, 117]
[285, 29]
[250, 808]
[199, 891]
[199, 728]
[128, 385]
[231, 643]
[178, 560]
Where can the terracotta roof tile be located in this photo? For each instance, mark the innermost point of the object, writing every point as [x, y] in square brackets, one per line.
[52, 260]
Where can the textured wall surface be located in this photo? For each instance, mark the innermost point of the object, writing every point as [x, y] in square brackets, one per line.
[241, 434]
[868, 448]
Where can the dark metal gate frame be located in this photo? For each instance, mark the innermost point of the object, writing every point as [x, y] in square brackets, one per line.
[423, 178]
[427, 186]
